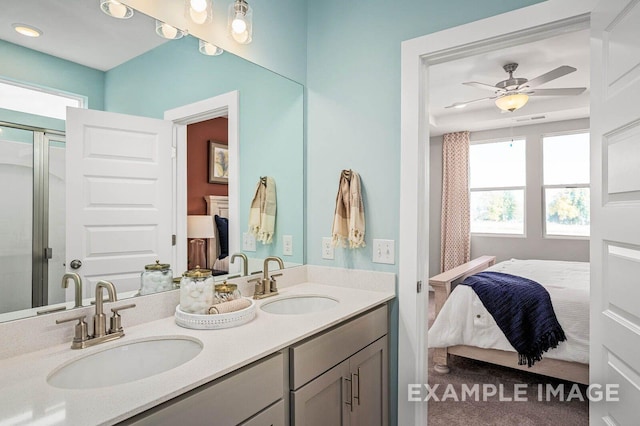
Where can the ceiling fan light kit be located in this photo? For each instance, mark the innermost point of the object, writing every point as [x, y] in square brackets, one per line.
[512, 102]
[513, 93]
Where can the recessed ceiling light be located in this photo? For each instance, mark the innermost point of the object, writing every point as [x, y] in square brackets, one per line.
[27, 30]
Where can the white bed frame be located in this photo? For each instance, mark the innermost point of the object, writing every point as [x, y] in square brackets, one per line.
[443, 284]
[216, 205]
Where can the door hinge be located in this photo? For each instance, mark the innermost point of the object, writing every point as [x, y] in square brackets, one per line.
[419, 287]
[173, 152]
[48, 252]
[173, 239]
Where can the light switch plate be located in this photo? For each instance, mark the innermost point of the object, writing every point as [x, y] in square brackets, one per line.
[384, 251]
[248, 242]
[287, 245]
[327, 248]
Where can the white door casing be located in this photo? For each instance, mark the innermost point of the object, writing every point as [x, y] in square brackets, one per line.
[417, 55]
[119, 198]
[615, 209]
[225, 105]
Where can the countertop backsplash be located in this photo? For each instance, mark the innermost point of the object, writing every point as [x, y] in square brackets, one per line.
[36, 333]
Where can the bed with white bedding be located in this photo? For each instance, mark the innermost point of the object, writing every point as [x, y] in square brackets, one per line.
[463, 326]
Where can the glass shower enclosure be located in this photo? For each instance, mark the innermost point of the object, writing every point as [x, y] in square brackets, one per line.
[32, 220]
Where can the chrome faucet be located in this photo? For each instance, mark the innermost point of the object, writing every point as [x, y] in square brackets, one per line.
[81, 338]
[99, 319]
[245, 264]
[78, 288]
[266, 286]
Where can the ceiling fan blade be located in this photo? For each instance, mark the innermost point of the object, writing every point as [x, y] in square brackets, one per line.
[464, 104]
[551, 75]
[568, 91]
[483, 86]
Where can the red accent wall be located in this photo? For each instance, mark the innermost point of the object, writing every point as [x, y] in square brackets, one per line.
[198, 186]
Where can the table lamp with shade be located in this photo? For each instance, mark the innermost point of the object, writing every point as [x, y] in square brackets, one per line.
[199, 227]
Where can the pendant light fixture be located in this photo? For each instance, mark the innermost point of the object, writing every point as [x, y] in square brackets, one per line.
[209, 49]
[512, 102]
[240, 22]
[116, 9]
[199, 11]
[167, 31]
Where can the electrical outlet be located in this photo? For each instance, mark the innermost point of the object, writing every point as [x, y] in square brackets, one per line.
[327, 248]
[248, 242]
[384, 251]
[287, 245]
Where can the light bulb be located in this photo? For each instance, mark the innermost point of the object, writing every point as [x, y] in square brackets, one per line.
[117, 9]
[239, 25]
[199, 5]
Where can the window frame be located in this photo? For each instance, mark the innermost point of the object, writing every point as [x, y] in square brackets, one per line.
[502, 188]
[575, 185]
[83, 101]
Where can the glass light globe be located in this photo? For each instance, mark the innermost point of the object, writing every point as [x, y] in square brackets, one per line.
[167, 31]
[116, 9]
[242, 37]
[198, 17]
[209, 49]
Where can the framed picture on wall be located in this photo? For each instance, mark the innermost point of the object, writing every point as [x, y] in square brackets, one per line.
[218, 163]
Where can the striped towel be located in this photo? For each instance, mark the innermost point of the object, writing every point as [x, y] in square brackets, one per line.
[262, 216]
[348, 219]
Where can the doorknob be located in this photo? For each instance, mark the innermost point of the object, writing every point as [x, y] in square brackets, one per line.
[75, 264]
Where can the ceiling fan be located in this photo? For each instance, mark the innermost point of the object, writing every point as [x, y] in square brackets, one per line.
[513, 93]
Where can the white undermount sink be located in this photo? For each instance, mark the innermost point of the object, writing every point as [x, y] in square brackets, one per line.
[125, 363]
[299, 305]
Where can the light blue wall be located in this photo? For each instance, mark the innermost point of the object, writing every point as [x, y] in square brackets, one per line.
[353, 113]
[271, 120]
[25, 65]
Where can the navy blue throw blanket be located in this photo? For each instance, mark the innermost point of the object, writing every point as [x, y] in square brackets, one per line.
[522, 309]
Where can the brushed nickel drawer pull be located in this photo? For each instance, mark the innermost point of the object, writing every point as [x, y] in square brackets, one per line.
[350, 387]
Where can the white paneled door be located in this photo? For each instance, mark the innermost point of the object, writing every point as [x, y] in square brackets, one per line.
[119, 196]
[615, 210]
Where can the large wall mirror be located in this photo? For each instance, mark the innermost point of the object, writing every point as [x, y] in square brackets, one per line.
[123, 67]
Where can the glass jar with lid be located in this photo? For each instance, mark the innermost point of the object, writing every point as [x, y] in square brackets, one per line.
[226, 292]
[155, 278]
[196, 291]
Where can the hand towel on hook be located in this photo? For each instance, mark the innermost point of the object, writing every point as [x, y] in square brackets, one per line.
[262, 216]
[348, 219]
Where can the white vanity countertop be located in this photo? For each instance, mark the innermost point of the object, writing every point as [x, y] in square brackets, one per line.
[27, 398]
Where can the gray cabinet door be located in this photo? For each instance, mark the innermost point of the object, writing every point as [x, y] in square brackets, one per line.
[323, 401]
[370, 382]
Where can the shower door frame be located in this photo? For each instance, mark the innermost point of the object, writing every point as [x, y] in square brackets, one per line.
[41, 252]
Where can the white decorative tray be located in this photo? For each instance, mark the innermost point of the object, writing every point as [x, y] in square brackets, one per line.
[217, 321]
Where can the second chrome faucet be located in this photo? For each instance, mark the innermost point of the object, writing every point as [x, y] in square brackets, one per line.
[267, 286]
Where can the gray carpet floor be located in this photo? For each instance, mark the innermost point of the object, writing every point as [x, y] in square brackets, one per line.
[494, 412]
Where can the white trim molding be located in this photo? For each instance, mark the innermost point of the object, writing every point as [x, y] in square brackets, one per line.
[538, 21]
[219, 106]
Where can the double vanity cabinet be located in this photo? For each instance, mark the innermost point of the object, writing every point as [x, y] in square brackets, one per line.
[336, 377]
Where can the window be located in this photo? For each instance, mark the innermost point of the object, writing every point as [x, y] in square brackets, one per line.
[566, 185]
[497, 183]
[35, 100]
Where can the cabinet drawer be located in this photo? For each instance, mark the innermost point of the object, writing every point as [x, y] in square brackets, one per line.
[311, 358]
[272, 416]
[225, 401]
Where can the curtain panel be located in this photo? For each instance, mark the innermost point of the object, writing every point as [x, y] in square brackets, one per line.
[455, 241]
